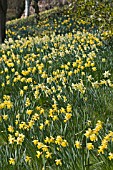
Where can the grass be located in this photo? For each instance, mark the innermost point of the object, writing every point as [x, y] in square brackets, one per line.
[56, 94]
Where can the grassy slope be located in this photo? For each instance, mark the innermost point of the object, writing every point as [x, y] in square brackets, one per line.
[95, 104]
[51, 21]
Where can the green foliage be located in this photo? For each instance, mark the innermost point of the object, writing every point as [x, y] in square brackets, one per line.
[98, 12]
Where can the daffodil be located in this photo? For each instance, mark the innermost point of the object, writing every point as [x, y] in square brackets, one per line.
[58, 162]
[12, 161]
[90, 146]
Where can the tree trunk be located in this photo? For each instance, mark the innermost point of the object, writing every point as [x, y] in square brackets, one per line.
[27, 6]
[62, 2]
[3, 11]
[35, 6]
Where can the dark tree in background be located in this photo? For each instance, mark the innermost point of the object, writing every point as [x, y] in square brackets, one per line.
[36, 8]
[3, 11]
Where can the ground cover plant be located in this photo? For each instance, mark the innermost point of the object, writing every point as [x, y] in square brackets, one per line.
[56, 95]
